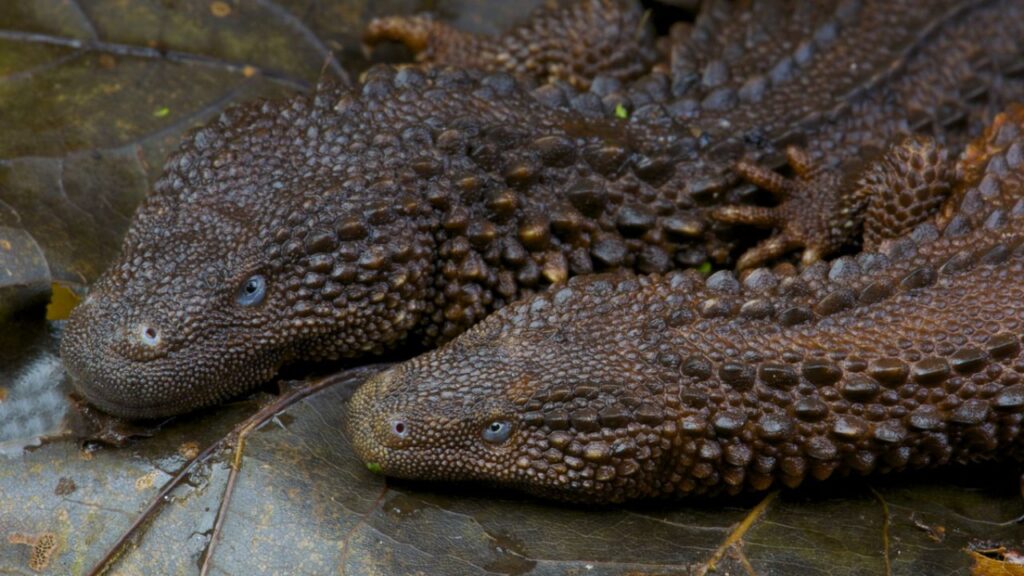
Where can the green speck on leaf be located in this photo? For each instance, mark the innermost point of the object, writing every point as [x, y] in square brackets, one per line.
[162, 112]
[704, 268]
[373, 467]
[621, 112]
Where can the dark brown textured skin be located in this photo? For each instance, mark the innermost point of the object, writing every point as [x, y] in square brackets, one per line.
[573, 43]
[904, 188]
[778, 71]
[402, 212]
[615, 387]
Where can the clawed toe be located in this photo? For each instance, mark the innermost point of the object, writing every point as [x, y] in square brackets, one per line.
[766, 251]
[806, 204]
[620, 43]
[819, 212]
[427, 38]
[800, 162]
[752, 215]
[762, 177]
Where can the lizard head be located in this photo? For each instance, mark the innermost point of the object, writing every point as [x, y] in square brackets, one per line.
[282, 231]
[337, 225]
[518, 401]
[422, 421]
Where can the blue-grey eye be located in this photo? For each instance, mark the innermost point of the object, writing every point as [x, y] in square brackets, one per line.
[497, 431]
[252, 291]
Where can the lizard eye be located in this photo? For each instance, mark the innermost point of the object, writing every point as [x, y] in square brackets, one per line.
[252, 291]
[399, 428]
[149, 335]
[497, 431]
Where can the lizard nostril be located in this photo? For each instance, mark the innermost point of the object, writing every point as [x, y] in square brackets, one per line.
[149, 335]
[398, 428]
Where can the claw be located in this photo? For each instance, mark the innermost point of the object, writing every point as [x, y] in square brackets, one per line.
[799, 161]
[811, 255]
[766, 251]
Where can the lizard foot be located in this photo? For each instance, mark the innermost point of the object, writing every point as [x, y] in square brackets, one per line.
[823, 209]
[573, 43]
[802, 217]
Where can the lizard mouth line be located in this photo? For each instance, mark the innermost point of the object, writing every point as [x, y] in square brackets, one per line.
[115, 406]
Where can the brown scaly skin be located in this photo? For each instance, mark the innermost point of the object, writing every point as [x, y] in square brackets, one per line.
[398, 215]
[401, 213]
[615, 387]
[821, 213]
[574, 43]
[847, 78]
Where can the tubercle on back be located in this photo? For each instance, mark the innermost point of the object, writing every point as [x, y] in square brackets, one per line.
[400, 212]
[973, 227]
[506, 225]
[630, 387]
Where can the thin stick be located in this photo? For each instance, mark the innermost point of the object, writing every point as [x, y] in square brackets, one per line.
[129, 535]
[240, 435]
[237, 438]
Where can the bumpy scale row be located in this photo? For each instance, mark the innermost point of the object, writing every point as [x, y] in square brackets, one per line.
[617, 387]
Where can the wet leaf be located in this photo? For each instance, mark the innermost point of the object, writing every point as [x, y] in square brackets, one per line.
[998, 562]
[24, 275]
[303, 502]
[93, 95]
[62, 301]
